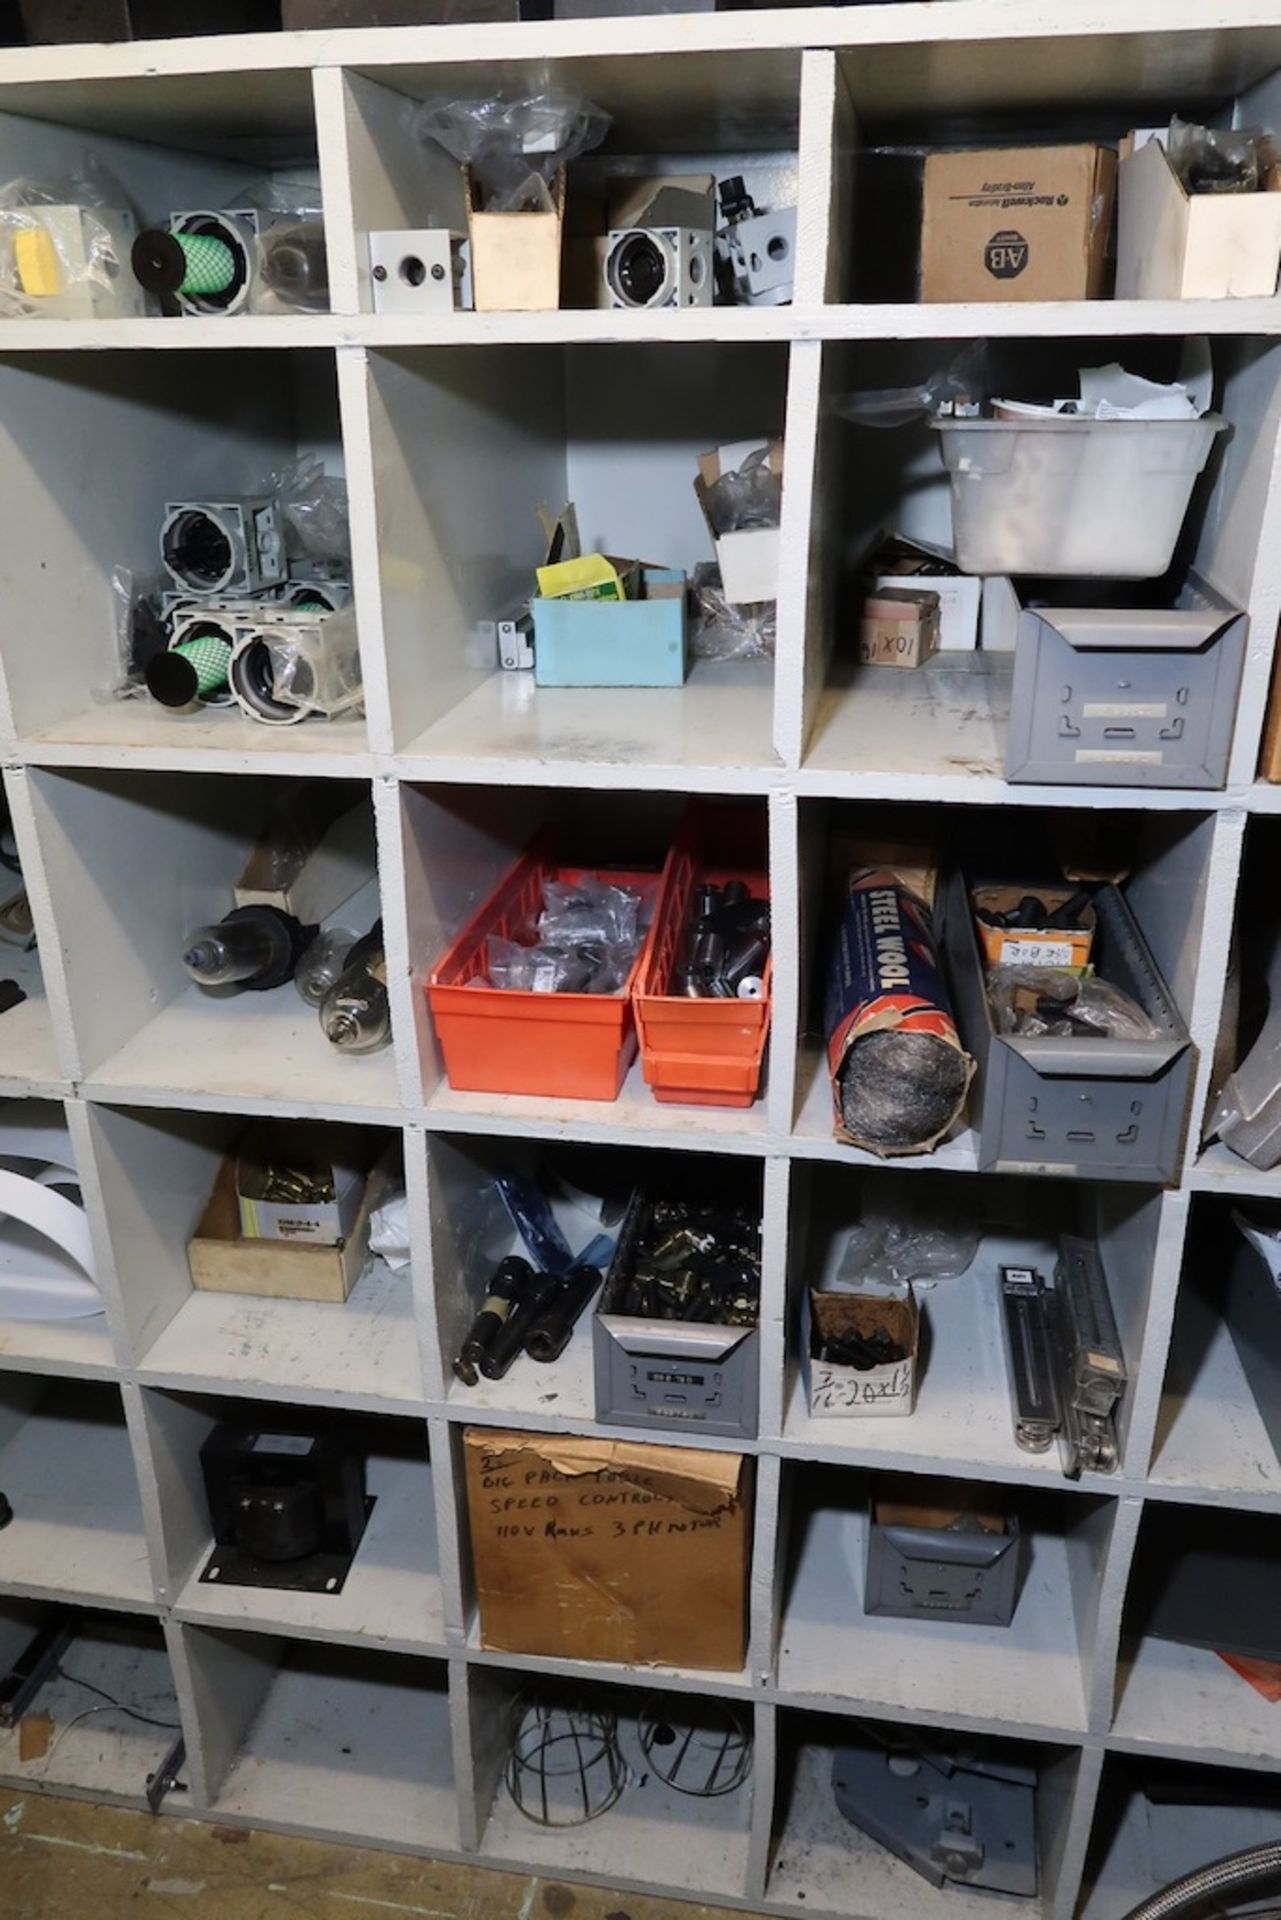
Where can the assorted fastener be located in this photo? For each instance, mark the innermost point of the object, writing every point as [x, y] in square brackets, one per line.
[697, 1263]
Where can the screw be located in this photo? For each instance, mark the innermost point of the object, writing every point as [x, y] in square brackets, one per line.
[438, 272]
[380, 273]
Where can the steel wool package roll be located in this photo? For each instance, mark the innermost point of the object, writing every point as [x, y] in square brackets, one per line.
[899, 1071]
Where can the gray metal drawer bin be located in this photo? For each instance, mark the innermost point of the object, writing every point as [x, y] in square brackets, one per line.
[1126, 697]
[670, 1373]
[1099, 1109]
[1253, 1313]
[916, 1573]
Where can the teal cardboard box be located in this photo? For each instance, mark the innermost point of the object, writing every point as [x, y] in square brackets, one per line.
[614, 643]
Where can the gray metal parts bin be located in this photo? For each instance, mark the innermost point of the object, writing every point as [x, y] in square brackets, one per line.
[1125, 696]
[1095, 1109]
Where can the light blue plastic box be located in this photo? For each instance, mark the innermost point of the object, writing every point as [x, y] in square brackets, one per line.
[613, 643]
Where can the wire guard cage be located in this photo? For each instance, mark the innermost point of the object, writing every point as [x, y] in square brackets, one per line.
[564, 1764]
[705, 1749]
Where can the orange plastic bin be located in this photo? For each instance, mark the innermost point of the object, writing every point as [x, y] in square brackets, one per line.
[703, 1053]
[573, 1046]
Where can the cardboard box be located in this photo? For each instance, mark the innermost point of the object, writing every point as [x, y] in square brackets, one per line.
[320, 1223]
[748, 559]
[615, 643]
[515, 257]
[836, 1390]
[1020, 223]
[221, 1260]
[898, 627]
[1069, 947]
[592, 1549]
[1270, 751]
[1176, 245]
[895, 560]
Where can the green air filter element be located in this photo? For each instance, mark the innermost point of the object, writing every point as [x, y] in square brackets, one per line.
[211, 265]
[195, 669]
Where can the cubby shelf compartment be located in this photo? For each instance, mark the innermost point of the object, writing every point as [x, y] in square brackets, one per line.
[158, 1170]
[344, 1742]
[1155, 1822]
[1032, 1676]
[68, 1472]
[392, 1594]
[94, 1754]
[704, 1842]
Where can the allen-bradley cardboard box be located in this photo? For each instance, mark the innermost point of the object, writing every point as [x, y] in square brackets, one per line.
[1026, 223]
[609, 1549]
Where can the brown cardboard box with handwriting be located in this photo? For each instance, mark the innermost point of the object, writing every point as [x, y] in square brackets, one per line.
[609, 1549]
[1028, 223]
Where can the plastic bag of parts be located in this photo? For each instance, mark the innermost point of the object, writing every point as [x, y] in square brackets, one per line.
[558, 967]
[315, 665]
[746, 496]
[504, 142]
[932, 1243]
[64, 247]
[140, 630]
[961, 387]
[721, 631]
[389, 1229]
[314, 505]
[1218, 159]
[1035, 1001]
[590, 910]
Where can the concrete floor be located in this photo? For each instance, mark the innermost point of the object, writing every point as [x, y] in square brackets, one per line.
[69, 1860]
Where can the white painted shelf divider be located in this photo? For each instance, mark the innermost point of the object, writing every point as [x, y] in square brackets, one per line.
[379, 1717]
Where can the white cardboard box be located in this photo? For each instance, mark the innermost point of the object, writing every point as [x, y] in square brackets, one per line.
[748, 560]
[1175, 245]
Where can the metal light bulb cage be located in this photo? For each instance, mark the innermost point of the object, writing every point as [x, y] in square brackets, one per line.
[703, 1749]
[564, 1763]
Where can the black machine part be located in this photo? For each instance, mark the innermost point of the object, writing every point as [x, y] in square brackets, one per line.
[954, 1816]
[288, 1509]
[254, 948]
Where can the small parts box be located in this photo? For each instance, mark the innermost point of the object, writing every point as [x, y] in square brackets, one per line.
[656, 1373]
[222, 1260]
[320, 1223]
[886, 1389]
[1103, 1109]
[1176, 245]
[899, 627]
[615, 643]
[703, 1052]
[1122, 696]
[1046, 946]
[1017, 224]
[945, 1559]
[571, 1046]
[515, 257]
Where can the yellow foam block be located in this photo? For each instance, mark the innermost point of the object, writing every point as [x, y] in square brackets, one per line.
[36, 259]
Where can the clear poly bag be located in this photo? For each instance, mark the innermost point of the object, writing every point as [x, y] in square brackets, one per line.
[1050, 1001]
[557, 966]
[64, 247]
[504, 142]
[315, 664]
[720, 630]
[1218, 159]
[313, 504]
[924, 1244]
[590, 910]
[747, 496]
[141, 632]
[963, 383]
[292, 265]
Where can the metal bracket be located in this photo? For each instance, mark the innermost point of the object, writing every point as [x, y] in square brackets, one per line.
[19, 1687]
[165, 1778]
[952, 1818]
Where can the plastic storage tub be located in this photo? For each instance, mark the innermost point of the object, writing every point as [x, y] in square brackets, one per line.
[573, 1046]
[1072, 496]
[705, 1053]
[1091, 1109]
